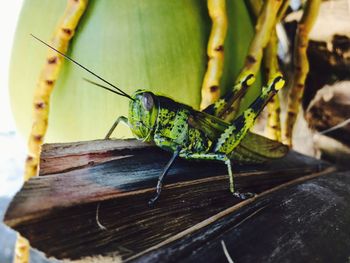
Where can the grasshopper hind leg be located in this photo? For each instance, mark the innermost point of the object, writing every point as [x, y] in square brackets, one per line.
[224, 158]
[240, 195]
[235, 133]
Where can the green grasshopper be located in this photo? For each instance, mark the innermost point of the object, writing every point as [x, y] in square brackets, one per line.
[192, 134]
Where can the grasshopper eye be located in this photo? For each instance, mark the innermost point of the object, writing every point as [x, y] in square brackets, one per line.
[147, 101]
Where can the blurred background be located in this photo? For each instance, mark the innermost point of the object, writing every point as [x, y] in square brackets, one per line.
[12, 145]
[326, 102]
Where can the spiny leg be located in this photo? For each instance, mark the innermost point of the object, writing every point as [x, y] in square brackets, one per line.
[214, 157]
[115, 124]
[301, 67]
[237, 194]
[162, 177]
[215, 51]
[218, 157]
[233, 135]
[223, 107]
[230, 175]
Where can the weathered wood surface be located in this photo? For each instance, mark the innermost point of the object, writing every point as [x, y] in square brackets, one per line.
[307, 222]
[63, 157]
[95, 201]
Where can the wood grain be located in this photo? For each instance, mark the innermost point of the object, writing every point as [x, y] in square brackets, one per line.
[306, 222]
[99, 207]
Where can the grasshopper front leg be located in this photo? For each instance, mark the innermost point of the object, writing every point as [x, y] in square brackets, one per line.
[115, 124]
[162, 177]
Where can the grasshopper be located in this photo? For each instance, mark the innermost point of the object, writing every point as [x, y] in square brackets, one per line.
[198, 135]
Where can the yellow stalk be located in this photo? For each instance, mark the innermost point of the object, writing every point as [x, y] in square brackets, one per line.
[45, 85]
[273, 127]
[264, 26]
[21, 250]
[282, 12]
[215, 51]
[266, 22]
[255, 6]
[301, 67]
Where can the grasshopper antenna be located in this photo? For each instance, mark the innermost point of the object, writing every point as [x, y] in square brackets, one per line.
[120, 92]
[104, 87]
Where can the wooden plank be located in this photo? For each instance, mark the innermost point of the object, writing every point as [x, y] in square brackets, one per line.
[308, 222]
[63, 157]
[102, 209]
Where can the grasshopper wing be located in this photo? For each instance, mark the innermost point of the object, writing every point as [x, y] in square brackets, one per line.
[252, 149]
[255, 148]
[210, 125]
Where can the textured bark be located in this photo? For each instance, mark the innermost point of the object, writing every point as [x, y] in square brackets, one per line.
[93, 201]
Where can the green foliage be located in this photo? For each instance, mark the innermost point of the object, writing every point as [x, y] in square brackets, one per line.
[155, 45]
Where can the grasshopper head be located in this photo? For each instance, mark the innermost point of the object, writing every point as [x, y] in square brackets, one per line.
[143, 114]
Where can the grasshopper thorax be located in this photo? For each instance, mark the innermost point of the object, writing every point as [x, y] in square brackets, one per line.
[143, 111]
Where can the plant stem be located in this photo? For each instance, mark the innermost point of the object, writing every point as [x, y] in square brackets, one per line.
[48, 76]
[266, 22]
[301, 66]
[215, 51]
[273, 126]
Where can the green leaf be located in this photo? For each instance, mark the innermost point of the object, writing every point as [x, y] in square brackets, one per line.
[152, 44]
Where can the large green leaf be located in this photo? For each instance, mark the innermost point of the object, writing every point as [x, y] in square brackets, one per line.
[152, 44]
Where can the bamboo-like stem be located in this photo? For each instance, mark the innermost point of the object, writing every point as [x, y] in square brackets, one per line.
[255, 6]
[266, 22]
[282, 11]
[46, 82]
[301, 66]
[215, 51]
[21, 254]
[48, 76]
[273, 127]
